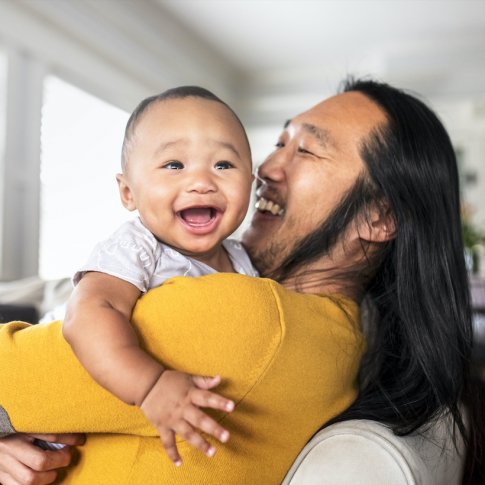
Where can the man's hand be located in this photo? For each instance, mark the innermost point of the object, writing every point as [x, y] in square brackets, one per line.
[23, 463]
[173, 406]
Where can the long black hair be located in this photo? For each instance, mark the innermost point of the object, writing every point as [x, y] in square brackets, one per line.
[417, 367]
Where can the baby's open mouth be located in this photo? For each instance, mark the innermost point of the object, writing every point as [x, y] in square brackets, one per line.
[265, 205]
[198, 216]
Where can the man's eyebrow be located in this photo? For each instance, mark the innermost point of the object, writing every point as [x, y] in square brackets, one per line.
[323, 136]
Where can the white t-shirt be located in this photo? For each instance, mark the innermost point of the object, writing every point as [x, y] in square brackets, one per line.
[135, 255]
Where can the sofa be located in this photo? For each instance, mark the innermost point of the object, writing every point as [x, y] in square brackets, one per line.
[368, 453]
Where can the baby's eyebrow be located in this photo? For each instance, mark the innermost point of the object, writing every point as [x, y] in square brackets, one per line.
[230, 147]
[185, 141]
[163, 146]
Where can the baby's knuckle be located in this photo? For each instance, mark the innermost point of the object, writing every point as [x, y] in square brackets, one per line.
[207, 424]
[171, 452]
[167, 443]
[192, 394]
[190, 434]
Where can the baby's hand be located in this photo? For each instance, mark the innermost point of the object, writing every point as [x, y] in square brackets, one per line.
[173, 406]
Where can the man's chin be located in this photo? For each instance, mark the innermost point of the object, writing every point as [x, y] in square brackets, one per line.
[263, 251]
[262, 227]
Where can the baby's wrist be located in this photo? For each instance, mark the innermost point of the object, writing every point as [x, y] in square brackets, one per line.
[145, 386]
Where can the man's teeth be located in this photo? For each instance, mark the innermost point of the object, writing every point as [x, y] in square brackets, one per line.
[270, 206]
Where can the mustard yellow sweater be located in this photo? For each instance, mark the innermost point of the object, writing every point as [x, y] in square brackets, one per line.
[288, 360]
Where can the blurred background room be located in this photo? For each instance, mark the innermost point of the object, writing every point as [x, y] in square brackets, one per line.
[71, 71]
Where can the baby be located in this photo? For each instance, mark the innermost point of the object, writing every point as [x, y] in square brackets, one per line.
[186, 169]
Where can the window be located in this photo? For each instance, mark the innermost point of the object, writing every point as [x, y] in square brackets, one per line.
[3, 98]
[3, 116]
[80, 154]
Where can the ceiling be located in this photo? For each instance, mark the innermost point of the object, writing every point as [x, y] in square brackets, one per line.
[296, 51]
[269, 58]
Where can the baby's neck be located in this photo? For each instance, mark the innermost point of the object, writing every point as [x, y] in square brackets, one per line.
[217, 259]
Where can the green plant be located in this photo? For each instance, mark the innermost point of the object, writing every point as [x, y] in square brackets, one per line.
[472, 235]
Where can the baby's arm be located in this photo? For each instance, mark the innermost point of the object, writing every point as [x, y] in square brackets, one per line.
[97, 326]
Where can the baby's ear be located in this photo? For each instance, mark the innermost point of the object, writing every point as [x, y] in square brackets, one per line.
[125, 192]
[379, 225]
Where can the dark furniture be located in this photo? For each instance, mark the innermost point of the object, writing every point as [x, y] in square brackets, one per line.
[25, 313]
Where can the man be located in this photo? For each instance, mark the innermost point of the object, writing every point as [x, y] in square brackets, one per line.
[360, 197]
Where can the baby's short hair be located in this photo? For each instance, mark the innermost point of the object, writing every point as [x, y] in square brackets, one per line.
[180, 92]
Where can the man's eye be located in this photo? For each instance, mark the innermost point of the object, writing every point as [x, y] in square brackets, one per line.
[223, 165]
[304, 150]
[174, 165]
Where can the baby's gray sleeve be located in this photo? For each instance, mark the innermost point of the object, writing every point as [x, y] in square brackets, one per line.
[129, 254]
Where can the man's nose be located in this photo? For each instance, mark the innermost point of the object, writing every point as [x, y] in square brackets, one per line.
[201, 182]
[273, 168]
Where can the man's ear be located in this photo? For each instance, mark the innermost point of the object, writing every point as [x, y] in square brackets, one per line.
[378, 226]
[125, 192]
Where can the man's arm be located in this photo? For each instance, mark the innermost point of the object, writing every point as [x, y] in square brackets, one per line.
[43, 388]
[195, 325]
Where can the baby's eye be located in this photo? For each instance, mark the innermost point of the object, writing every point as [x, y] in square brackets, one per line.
[173, 165]
[279, 144]
[223, 165]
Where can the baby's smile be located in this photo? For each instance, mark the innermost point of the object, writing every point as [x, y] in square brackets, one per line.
[200, 220]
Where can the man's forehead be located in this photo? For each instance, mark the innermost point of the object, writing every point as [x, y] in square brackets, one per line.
[351, 110]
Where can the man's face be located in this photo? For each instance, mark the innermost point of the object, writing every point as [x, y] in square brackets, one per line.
[315, 163]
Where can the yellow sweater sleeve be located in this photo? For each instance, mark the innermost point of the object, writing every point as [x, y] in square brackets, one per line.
[43, 388]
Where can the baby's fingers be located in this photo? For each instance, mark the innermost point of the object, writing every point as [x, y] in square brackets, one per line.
[168, 441]
[206, 382]
[208, 399]
[190, 435]
[198, 419]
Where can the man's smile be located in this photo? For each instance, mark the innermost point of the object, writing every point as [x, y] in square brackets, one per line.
[265, 205]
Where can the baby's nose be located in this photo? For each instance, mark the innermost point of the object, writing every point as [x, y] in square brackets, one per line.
[202, 183]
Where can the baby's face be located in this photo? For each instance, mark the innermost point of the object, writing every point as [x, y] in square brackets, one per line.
[189, 173]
